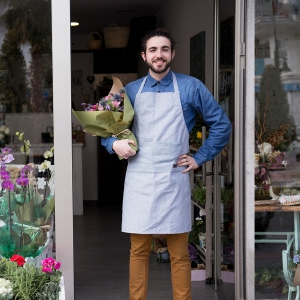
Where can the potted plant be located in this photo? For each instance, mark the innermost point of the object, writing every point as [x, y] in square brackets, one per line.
[199, 193]
[269, 279]
[22, 280]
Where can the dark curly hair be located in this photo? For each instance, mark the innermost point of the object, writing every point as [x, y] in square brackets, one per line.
[157, 32]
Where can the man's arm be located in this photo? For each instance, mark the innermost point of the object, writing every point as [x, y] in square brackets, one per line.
[122, 148]
[217, 121]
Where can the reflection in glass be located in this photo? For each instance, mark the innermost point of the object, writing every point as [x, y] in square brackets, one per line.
[26, 130]
[277, 153]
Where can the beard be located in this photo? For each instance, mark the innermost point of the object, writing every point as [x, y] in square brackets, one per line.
[157, 70]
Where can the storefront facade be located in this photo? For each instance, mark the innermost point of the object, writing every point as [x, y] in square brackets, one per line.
[256, 77]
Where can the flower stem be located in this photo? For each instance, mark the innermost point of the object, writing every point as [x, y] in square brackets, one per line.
[9, 211]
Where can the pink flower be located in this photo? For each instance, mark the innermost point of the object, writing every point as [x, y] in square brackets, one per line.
[116, 103]
[49, 265]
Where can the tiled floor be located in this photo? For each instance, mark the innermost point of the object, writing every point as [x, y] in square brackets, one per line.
[101, 254]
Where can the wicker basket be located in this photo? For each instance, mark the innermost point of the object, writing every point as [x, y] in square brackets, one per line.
[115, 36]
[94, 44]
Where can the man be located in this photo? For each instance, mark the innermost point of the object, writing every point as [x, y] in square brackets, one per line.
[157, 190]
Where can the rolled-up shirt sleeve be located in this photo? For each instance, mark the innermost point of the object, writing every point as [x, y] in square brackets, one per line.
[107, 143]
[216, 119]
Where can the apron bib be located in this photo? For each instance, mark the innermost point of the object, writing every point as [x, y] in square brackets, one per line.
[157, 197]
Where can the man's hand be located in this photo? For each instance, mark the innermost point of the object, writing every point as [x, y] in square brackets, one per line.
[123, 149]
[188, 161]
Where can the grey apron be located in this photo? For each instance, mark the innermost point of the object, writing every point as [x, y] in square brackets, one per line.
[157, 196]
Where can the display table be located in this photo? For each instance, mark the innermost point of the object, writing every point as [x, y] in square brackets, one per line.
[36, 154]
[289, 238]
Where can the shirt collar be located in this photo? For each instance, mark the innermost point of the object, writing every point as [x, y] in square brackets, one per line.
[165, 81]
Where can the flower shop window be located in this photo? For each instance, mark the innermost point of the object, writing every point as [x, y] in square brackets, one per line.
[27, 192]
[277, 173]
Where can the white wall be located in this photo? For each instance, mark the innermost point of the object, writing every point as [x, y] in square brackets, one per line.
[186, 18]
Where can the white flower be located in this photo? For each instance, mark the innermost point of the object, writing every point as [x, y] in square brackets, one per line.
[2, 128]
[7, 130]
[44, 166]
[284, 163]
[48, 154]
[1, 136]
[5, 289]
[265, 148]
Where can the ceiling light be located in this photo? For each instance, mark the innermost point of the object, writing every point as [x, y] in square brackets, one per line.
[74, 23]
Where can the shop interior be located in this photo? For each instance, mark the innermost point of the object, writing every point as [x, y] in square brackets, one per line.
[97, 216]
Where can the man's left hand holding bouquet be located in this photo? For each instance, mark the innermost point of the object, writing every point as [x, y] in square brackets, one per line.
[111, 118]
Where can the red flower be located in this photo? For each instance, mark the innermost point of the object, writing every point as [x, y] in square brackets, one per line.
[19, 259]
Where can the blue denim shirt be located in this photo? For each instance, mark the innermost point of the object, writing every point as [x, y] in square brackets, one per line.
[195, 98]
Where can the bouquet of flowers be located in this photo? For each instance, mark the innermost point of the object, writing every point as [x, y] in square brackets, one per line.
[111, 116]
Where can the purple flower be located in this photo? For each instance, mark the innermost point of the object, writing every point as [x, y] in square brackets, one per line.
[4, 175]
[6, 150]
[8, 158]
[107, 107]
[7, 185]
[23, 181]
[296, 259]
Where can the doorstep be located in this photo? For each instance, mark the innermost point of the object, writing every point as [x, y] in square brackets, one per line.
[198, 275]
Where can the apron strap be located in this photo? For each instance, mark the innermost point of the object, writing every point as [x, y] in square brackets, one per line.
[142, 85]
[176, 90]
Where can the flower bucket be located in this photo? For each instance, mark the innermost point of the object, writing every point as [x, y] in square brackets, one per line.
[94, 43]
[115, 36]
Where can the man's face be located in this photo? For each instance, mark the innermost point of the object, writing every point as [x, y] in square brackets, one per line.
[158, 54]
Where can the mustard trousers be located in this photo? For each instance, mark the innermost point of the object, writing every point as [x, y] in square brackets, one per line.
[139, 265]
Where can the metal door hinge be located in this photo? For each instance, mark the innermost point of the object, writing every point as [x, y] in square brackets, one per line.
[243, 50]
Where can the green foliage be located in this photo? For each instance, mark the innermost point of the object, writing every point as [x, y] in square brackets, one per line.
[272, 106]
[266, 275]
[194, 134]
[197, 227]
[49, 291]
[199, 193]
[29, 282]
[226, 195]
[13, 83]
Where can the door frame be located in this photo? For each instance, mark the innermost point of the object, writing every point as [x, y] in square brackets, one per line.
[244, 150]
[61, 60]
[248, 160]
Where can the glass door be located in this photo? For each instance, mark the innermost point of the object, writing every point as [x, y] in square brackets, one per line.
[214, 192]
[223, 186]
[277, 152]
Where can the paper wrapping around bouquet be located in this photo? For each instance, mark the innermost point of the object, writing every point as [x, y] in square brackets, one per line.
[108, 123]
[297, 276]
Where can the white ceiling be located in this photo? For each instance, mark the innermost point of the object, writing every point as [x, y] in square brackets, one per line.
[94, 15]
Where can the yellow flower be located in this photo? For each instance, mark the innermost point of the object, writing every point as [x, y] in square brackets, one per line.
[44, 166]
[48, 154]
[199, 135]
